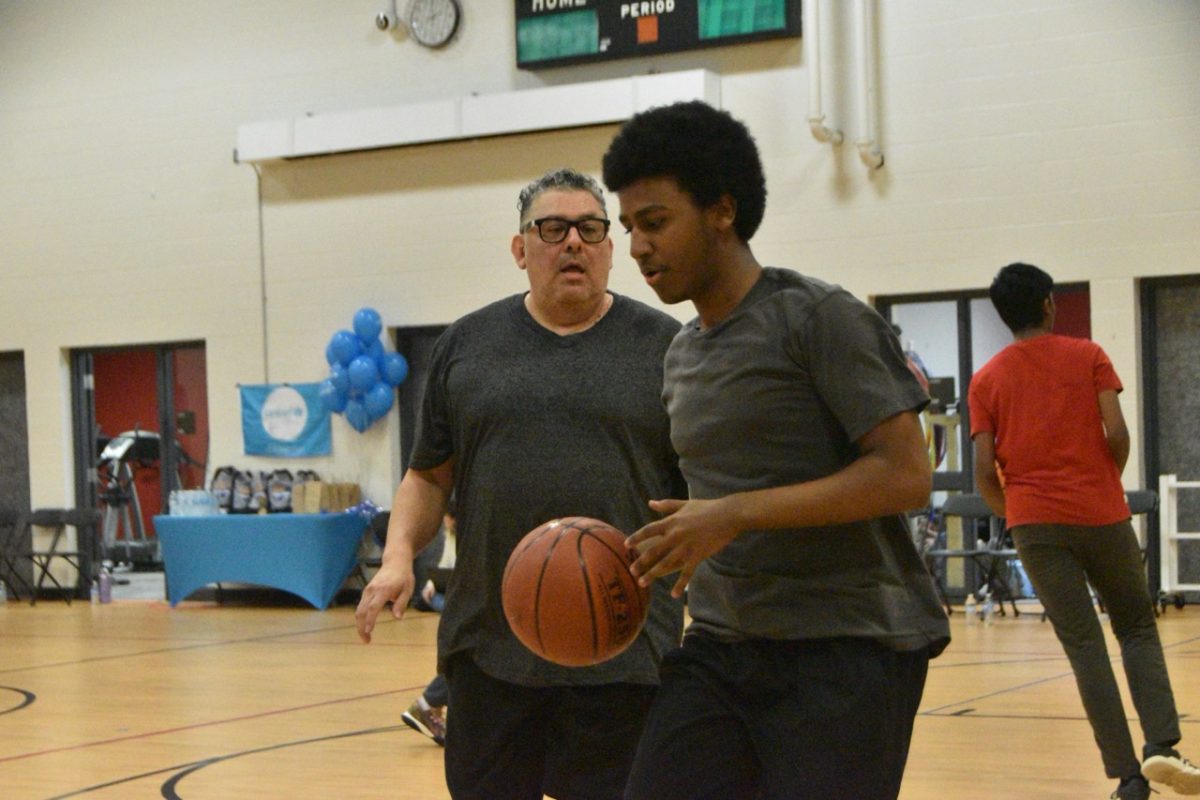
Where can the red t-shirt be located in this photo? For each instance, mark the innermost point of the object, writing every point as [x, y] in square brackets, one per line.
[1039, 398]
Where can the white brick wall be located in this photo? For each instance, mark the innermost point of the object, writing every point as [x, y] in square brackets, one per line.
[1058, 132]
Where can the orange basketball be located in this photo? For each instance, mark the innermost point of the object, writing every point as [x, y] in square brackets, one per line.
[568, 594]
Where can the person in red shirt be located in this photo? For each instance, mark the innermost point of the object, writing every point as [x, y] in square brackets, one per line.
[1050, 446]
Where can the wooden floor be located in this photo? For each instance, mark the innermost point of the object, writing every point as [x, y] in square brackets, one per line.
[205, 702]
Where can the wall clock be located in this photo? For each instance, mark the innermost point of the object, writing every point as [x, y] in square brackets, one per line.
[433, 22]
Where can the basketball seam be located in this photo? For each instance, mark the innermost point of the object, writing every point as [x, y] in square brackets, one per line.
[537, 595]
[620, 556]
[587, 584]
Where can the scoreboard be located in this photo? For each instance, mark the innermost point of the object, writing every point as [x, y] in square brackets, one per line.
[553, 33]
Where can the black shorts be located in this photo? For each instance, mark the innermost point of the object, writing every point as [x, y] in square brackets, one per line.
[776, 720]
[511, 742]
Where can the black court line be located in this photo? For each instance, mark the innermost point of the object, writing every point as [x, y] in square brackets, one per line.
[1033, 658]
[183, 770]
[27, 696]
[177, 649]
[971, 713]
[934, 711]
[998, 662]
[1018, 687]
[209, 724]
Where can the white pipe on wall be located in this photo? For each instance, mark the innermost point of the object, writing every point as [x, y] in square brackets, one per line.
[812, 54]
[868, 148]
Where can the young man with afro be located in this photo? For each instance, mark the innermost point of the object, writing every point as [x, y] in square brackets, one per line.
[795, 417]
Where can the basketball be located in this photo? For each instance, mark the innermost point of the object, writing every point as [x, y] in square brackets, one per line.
[568, 594]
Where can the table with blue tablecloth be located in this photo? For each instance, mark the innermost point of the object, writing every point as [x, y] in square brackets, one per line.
[309, 555]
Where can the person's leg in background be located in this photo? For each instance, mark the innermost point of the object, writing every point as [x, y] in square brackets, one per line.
[437, 693]
[427, 714]
[1061, 585]
[1113, 561]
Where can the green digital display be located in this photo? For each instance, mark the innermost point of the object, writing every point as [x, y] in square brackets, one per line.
[721, 19]
[560, 32]
[568, 35]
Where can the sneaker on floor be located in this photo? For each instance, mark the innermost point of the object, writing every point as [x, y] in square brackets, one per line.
[1174, 770]
[1135, 788]
[426, 719]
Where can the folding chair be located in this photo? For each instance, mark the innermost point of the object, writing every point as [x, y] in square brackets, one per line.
[85, 522]
[929, 532]
[993, 558]
[11, 550]
[1142, 501]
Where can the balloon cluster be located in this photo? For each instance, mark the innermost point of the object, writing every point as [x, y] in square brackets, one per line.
[362, 376]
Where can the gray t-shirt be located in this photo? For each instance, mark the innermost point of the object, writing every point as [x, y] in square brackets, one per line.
[543, 426]
[777, 394]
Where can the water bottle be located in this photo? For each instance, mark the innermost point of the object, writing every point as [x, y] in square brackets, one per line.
[95, 590]
[989, 610]
[969, 608]
[105, 588]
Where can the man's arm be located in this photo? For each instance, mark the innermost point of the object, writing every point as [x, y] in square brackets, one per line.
[987, 479]
[890, 475]
[1115, 431]
[417, 510]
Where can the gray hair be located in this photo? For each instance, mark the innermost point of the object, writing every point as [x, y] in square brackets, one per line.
[562, 179]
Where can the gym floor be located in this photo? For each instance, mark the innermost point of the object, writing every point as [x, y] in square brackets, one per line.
[210, 702]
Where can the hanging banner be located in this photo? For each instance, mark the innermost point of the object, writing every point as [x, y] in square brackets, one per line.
[285, 420]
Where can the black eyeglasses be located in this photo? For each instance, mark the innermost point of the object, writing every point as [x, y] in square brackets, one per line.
[553, 230]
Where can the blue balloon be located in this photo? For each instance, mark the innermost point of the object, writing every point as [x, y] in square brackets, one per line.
[330, 397]
[340, 378]
[394, 369]
[345, 347]
[367, 324]
[356, 415]
[373, 350]
[379, 399]
[330, 357]
[363, 373]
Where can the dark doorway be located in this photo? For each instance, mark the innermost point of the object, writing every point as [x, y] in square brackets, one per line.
[416, 345]
[14, 441]
[1171, 401]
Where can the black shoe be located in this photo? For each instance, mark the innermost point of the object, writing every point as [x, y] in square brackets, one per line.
[1134, 788]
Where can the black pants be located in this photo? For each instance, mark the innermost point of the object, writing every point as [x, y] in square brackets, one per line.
[779, 720]
[437, 693]
[511, 742]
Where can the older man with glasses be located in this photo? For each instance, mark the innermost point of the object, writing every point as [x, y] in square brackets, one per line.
[544, 404]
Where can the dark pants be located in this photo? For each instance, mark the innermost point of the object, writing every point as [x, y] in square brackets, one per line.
[511, 742]
[776, 720]
[437, 694]
[1061, 560]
